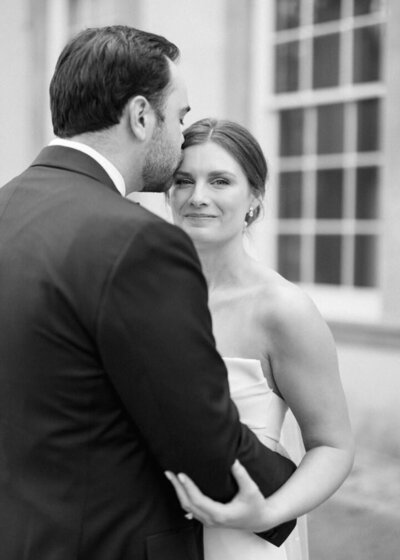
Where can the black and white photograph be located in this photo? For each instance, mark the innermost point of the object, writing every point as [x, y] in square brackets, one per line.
[199, 280]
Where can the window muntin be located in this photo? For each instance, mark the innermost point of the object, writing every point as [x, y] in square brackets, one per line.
[329, 140]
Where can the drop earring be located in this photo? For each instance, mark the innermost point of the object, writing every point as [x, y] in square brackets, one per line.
[249, 216]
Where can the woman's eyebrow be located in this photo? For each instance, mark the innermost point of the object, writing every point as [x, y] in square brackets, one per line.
[221, 172]
[183, 173]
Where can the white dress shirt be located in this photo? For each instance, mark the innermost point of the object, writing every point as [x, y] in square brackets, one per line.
[108, 167]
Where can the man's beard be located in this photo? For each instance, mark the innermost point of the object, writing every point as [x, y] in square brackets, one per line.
[156, 179]
[160, 165]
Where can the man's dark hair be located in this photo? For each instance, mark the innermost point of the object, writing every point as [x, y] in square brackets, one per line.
[100, 69]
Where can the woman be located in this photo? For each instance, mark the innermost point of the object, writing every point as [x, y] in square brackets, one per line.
[278, 350]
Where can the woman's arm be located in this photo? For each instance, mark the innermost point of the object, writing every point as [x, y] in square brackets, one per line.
[305, 369]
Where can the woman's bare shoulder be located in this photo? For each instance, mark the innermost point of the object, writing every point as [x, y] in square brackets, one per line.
[283, 304]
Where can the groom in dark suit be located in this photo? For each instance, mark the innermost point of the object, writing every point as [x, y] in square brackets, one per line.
[108, 369]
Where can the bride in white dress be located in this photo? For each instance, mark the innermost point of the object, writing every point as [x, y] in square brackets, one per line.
[278, 350]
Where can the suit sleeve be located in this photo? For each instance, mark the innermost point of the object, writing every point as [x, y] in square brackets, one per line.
[155, 338]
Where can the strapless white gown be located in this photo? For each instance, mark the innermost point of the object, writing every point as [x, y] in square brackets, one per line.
[263, 411]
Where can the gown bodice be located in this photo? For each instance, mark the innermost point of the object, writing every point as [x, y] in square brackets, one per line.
[263, 411]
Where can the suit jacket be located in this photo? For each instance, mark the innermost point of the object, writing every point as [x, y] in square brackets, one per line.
[108, 375]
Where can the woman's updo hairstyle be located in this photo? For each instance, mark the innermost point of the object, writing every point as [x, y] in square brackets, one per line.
[241, 145]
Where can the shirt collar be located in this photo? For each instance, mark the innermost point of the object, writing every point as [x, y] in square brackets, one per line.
[108, 167]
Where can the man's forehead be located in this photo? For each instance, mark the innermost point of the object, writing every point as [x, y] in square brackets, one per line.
[177, 81]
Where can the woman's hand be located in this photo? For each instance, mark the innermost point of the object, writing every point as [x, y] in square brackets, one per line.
[248, 510]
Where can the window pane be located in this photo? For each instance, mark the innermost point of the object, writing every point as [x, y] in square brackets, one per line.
[326, 10]
[366, 6]
[290, 194]
[368, 125]
[367, 54]
[330, 193]
[287, 66]
[326, 61]
[287, 14]
[330, 129]
[367, 193]
[365, 260]
[327, 259]
[289, 257]
[291, 132]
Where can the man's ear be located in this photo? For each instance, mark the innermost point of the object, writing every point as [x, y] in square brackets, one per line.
[142, 118]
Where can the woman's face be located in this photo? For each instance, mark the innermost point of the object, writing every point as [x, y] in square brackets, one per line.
[210, 195]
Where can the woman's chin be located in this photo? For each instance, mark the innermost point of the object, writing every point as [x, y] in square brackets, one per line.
[200, 233]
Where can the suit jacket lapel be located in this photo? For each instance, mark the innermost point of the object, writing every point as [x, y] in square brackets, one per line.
[61, 157]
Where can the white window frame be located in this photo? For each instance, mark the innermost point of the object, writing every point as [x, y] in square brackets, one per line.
[339, 303]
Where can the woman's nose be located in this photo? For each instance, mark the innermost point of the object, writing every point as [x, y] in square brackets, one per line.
[198, 196]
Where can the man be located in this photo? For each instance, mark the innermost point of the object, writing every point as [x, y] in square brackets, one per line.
[108, 369]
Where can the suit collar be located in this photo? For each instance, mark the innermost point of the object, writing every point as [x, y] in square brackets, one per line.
[105, 163]
[61, 157]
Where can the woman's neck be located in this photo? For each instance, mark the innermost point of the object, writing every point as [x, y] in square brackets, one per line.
[224, 266]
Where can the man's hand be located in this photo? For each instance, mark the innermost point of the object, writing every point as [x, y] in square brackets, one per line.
[248, 510]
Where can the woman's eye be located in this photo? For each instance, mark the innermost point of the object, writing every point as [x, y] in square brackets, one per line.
[182, 182]
[220, 182]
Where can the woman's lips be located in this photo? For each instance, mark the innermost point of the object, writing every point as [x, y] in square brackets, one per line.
[200, 216]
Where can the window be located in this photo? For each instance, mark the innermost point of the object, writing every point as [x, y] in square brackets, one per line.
[330, 129]
[326, 10]
[287, 14]
[291, 132]
[287, 63]
[290, 199]
[326, 60]
[327, 97]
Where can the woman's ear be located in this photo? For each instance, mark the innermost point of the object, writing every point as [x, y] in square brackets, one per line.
[142, 118]
[257, 205]
[255, 202]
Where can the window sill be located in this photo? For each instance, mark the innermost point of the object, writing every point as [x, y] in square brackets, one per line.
[377, 335]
